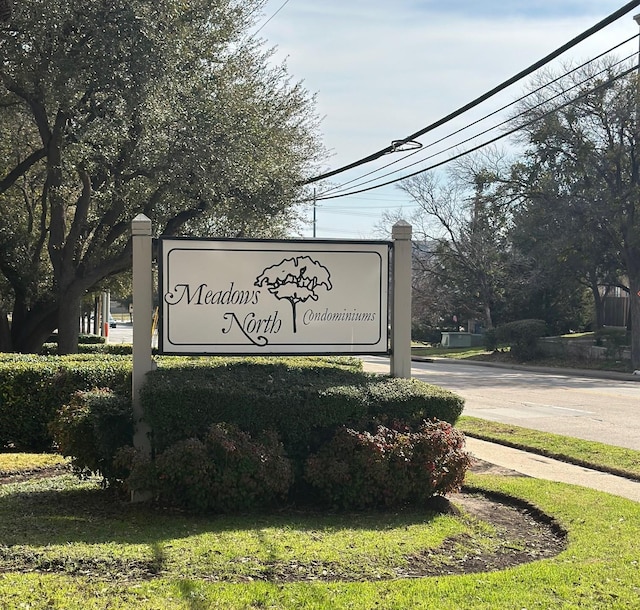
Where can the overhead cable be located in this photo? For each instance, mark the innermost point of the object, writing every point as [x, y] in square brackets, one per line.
[270, 18]
[492, 141]
[341, 187]
[514, 79]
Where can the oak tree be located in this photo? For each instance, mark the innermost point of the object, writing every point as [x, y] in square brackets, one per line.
[582, 173]
[111, 109]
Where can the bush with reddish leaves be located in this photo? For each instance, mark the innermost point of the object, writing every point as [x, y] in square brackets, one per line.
[227, 471]
[388, 468]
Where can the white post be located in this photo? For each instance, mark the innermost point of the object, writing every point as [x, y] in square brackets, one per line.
[143, 305]
[106, 308]
[401, 304]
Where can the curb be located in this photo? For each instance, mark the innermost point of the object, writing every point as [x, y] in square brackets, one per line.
[535, 369]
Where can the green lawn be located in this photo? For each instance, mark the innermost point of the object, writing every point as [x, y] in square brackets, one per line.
[448, 352]
[599, 456]
[68, 544]
[64, 546]
[503, 357]
[13, 463]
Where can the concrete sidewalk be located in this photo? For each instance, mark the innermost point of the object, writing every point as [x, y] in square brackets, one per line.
[541, 467]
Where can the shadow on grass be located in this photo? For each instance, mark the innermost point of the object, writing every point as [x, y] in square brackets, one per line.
[90, 515]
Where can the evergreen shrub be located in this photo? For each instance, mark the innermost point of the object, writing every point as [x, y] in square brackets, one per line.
[615, 340]
[91, 428]
[226, 471]
[98, 348]
[410, 401]
[83, 339]
[302, 399]
[490, 340]
[33, 389]
[522, 337]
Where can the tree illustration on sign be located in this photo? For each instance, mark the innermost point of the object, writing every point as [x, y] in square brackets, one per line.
[295, 279]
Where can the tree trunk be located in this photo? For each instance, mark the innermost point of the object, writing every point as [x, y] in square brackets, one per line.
[6, 345]
[634, 311]
[487, 316]
[598, 303]
[30, 327]
[69, 323]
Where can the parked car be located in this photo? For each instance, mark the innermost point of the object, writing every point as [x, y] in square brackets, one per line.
[112, 322]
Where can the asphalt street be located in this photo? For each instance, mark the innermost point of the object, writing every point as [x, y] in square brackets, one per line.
[577, 405]
[591, 408]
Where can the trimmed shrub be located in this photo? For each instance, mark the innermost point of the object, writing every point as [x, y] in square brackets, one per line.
[97, 348]
[422, 331]
[33, 388]
[438, 460]
[360, 470]
[410, 401]
[90, 430]
[490, 340]
[227, 471]
[522, 337]
[615, 340]
[293, 396]
[91, 339]
[304, 400]
[82, 339]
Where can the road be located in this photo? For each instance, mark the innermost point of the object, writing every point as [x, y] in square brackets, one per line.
[602, 410]
[122, 333]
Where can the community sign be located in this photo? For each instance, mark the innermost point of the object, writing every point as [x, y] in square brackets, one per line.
[273, 297]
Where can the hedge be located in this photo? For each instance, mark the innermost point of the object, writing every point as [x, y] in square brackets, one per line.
[301, 399]
[92, 428]
[97, 348]
[303, 402]
[522, 337]
[33, 388]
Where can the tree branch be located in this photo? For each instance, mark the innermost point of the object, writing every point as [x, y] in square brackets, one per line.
[19, 170]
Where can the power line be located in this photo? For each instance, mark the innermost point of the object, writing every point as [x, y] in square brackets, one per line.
[514, 79]
[357, 206]
[492, 141]
[270, 18]
[341, 188]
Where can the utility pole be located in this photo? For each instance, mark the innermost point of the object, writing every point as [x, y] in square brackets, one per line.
[634, 285]
[314, 213]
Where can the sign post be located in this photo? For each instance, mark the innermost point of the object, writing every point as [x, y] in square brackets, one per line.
[143, 301]
[401, 304]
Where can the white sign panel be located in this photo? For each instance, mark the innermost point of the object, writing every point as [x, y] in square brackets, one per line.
[268, 297]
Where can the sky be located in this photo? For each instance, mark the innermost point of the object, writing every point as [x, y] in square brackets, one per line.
[382, 70]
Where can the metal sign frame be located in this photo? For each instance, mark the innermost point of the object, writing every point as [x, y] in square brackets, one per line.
[268, 297]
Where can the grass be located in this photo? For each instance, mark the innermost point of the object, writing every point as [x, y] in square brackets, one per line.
[504, 357]
[74, 525]
[64, 546]
[14, 463]
[599, 456]
[457, 353]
